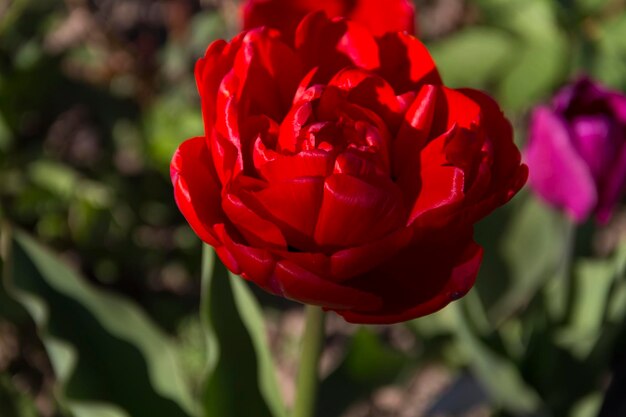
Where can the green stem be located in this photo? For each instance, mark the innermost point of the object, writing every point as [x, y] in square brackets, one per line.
[308, 375]
[562, 288]
[567, 266]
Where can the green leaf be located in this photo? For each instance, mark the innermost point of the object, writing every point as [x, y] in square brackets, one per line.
[610, 65]
[598, 298]
[91, 409]
[102, 348]
[528, 19]
[540, 67]
[473, 57]
[540, 58]
[534, 247]
[593, 282]
[588, 406]
[499, 376]
[240, 372]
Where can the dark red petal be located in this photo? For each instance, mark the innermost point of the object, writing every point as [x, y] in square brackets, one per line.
[225, 140]
[333, 45]
[420, 280]
[290, 128]
[306, 91]
[378, 16]
[508, 174]
[381, 17]
[209, 72]
[454, 108]
[285, 15]
[441, 186]
[256, 265]
[301, 285]
[354, 212]
[256, 230]
[348, 263]
[313, 163]
[370, 91]
[315, 262]
[292, 205]
[266, 84]
[412, 137]
[405, 63]
[359, 164]
[196, 188]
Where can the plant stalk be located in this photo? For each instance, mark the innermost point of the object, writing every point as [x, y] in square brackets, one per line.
[308, 375]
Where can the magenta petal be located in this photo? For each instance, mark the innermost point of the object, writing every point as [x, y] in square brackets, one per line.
[614, 187]
[557, 172]
[593, 138]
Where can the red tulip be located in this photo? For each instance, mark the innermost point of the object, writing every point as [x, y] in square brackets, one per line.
[339, 171]
[378, 16]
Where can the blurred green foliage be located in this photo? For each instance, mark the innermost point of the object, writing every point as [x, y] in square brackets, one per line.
[94, 98]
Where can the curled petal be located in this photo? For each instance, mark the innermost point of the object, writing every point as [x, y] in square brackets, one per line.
[196, 188]
[256, 265]
[313, 163]
[412, 137]
[354, 212]
[379, 17]
[334, 44]
[371, 91]
[349, 263]
[209, 72]
[292, 205]
[405, 63]
[266, 85]
[506, 174]
[257, 231]
[418, 281]
[304, 286]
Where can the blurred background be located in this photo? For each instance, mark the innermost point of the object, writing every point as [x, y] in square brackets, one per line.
[99, 317]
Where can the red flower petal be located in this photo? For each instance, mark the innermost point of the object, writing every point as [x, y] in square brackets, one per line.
[314, 163]
[381, 17]
[257, 231]
[370, 91]
[333, 45]
[292, 205]
[418, 281]
[304, 286]
[196, 188]
[405, 63]
[253, 264]
[354, 212]
[412, 137]
[351, 262]
[266, 84]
